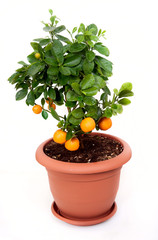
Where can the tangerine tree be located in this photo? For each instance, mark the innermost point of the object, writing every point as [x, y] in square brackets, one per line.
[71, 71]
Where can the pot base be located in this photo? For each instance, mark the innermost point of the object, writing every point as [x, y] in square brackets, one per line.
[84, 222]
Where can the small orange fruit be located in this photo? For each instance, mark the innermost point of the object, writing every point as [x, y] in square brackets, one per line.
[37, 109]
[37, 55]
[59, 136]
[105, 123]
[72, 144]
[49, 100]
[52, 106]
[87, 124]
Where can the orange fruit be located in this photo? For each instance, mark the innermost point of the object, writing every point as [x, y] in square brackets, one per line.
[37, 109]
[59, 136]
[53, 106]
[49, 100]
[37, 55]
[72, 144]
[87, 124]
[105, 123]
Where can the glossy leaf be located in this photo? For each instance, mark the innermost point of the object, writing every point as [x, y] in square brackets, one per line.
[87, 82]
[44, 114]
[102, 49]
[93, 28]
[53, 71]
[72, 61]
[21, 94]
[65, 71]
[77, 113]
[90, 91]
[35, 68]
[105, 64]
[100, 81]
[88, 66]
[76, 87]
[31, 98]
[77, 47]
[63, 39]
[107, 113]
[124, 101]
[54, 114]
[57, 50]
[126, 93]
[52, 93]
[126, 86]
[59, 29]
[90, 101]
[71, 96]
[75, 121]
[90, 56]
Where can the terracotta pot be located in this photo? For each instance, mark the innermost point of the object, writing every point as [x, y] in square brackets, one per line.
[84, 193]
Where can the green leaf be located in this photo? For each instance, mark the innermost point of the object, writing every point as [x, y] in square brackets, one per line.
[69, 135]
[44, 114]
[13, 78]
[76, 87]
[93, 28]
[88, 66]
[63, 39]
[94, 38]
[57, 49]
[90, 101]
[90, 91]
[31, 58]
[81, 28]
[51, 61]
[72, 61]
[124, 101]
[87, 82]
[52, 93]
[107, 113]
[52, 19]
[78, 113]
[73, 79]
[71, 96]
[80, 38]
[59, 29]
[77, 47]
[65, 71]
[21, 94]
[90, 56]
[90, 43]
[51, 11]
[23, 63]
[75, 121]
[119, 108]
[54, 114]
[107, 90]
[42, 102]
[53, 71]
[126, 93]
[35, 68]
[36, 47]
[45, 41]
[102, 49]
[31, 98]
[126, 86]
[100, 81]
[70, 104]
[115, 91]
[74, 30]
[105, 64]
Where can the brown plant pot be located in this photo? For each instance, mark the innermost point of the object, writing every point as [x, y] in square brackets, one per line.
[84, 193]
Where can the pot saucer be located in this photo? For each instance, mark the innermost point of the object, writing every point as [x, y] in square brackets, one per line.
[84, 222]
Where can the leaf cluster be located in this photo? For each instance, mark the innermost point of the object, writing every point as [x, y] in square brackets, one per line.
[70, 71]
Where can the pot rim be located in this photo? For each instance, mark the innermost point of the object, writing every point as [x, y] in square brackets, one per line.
[85, 168]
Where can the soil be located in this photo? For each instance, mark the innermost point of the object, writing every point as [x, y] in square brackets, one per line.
[96, 148]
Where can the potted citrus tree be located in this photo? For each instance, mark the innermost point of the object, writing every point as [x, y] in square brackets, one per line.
[83, 167]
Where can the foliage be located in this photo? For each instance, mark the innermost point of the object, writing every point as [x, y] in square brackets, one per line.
[70, 71]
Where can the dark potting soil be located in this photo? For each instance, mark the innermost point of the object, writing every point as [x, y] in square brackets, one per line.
[96, 148]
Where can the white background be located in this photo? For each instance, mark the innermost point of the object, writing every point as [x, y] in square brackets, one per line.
[25, 197]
